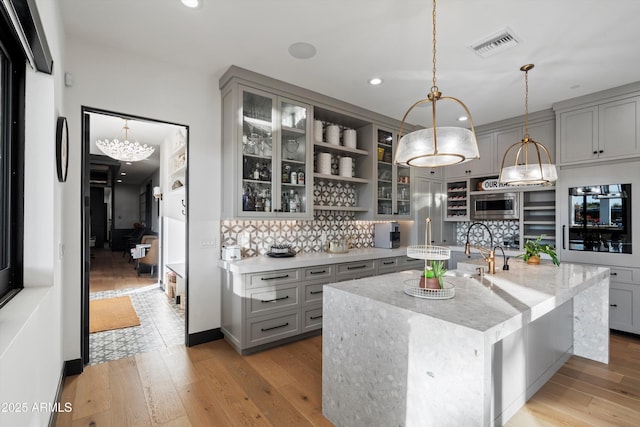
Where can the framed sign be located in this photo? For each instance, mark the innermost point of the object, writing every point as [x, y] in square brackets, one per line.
[62, 148]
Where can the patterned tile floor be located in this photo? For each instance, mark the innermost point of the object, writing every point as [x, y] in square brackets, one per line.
[161, 325]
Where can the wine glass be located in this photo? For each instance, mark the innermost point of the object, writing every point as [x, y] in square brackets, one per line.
[292, 147]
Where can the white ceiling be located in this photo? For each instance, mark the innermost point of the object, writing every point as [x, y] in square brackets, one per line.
[578, 46]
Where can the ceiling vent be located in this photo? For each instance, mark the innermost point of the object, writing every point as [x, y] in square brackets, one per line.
[497, 42]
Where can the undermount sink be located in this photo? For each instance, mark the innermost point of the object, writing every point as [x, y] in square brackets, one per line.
[459, 273]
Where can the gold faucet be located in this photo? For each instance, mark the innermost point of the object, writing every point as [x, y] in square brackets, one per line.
[488, 255]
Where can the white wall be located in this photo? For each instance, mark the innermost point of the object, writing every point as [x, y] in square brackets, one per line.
[112, 79]
[30, 324]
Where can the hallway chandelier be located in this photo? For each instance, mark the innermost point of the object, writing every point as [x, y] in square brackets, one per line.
[436, 146]
[522, 172]
[125, 150]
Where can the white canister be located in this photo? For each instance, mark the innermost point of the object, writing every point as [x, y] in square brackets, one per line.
[349, 138]
[231, 253]
[346, 166]
[317, 130]
[324, 163]
[333, 134]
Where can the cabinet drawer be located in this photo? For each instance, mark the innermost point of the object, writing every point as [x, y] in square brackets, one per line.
[349, 268]
[621, 275]
[258, 280]
[319, 272]
[408, 263]
[312, 318]
[355, 276]
[273, 328]
[313, 293]
[620, 309]
[265, 300]
[387, 265]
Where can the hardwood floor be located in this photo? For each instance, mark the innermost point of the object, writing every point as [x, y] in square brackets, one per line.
[110, 271]
[211, 385]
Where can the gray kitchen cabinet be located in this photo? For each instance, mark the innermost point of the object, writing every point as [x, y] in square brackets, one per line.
[266, 148]
[599, 131]
[265, 309]
[267, 125]
[431, 201]
[485, 165]
[624, 299]
[543, 131]
[392, 185]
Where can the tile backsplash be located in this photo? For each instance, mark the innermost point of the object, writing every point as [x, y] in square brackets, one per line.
[256, 237]
[479, 236]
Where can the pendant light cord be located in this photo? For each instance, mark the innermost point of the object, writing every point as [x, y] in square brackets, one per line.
[526, 104]
[434, 88]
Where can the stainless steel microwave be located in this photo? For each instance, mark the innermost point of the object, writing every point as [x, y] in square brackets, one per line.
[495, 206]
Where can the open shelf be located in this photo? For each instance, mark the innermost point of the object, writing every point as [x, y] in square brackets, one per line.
[340, 178]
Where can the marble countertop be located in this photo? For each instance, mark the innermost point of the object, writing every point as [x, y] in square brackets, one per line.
[265, 263]
[496, 304]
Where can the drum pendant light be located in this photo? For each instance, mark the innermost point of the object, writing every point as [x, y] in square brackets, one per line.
[436, 146]
[518, 170]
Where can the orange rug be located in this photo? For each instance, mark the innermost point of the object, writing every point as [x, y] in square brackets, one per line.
[112, 313]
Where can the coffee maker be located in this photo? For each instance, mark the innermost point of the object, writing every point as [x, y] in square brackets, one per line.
[387, 235]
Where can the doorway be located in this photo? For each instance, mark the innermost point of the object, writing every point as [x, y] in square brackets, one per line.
[120, 213]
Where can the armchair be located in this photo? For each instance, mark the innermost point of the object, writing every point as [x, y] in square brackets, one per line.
[150, 259]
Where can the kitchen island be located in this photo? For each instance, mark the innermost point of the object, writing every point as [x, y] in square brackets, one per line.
[396, 360]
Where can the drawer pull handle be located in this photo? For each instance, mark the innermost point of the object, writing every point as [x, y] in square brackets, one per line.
[412, 259]
[315, 292]
[275, 299]
[613, 305]
[318, 272]
[315, 317]
[274, 278]
[356, 267]
[613, 274]
[274, 327]
[388, 262]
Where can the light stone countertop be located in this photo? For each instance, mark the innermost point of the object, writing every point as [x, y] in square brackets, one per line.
[494, 304]
[264, 263]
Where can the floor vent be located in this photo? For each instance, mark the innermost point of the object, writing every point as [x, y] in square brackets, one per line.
[497, 42]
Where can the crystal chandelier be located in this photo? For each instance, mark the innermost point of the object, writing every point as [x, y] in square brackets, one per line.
[521, 172]
[125, 150]
[436, 146]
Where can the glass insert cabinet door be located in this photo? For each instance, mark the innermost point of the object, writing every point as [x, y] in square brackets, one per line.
[257, 152]
[393, 182]
[275, 156]
[293, 158]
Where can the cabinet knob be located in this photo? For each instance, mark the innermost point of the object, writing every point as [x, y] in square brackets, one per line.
[601, 151]
[613, 305]
[595, 152]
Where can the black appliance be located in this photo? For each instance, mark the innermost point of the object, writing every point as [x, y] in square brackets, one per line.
[600, 218]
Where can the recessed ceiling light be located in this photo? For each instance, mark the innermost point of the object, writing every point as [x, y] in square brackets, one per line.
[118, 180]
[128, 163]
[463, 118]
[375, 81]
[193, 4]
[123, 173]
[302, 50]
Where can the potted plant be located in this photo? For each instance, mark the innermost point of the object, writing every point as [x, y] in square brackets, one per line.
[432, 277]
[533, 249]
